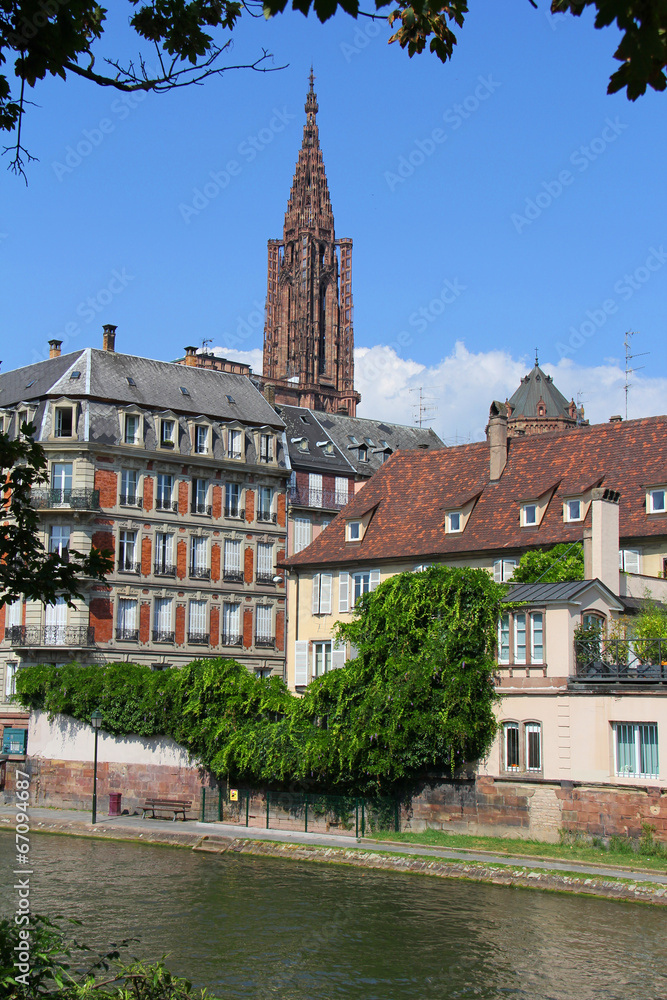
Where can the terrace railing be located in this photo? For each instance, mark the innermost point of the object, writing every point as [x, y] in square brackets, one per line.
[601, 660]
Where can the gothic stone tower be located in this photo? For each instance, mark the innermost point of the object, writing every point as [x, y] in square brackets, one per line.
[308, 337]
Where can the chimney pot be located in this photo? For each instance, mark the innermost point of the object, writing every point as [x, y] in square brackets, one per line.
[54, 348]
[496, 435]
[109, 337]
[191, 356]
[616, 418]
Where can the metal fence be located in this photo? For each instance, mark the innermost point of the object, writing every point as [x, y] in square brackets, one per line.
[341, 815]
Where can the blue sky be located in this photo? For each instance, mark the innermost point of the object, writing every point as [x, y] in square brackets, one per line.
[499, 203]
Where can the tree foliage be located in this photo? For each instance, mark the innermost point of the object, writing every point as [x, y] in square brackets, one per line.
[26, 568]
[419, 696]
[555, 565]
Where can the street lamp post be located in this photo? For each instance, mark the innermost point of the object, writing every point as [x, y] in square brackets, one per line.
[96, 722]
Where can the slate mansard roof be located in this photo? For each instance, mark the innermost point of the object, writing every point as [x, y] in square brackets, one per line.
[156, 385]
[536, 387]
[410, 495]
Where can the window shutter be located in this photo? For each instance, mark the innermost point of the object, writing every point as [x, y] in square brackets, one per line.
[316, 594]
[300, 662]
[326, 583]
[314, 490]
[198, 617]
[232, 556]
[498, 571]
[631, 558]
[264, 559]
[375, 580]
[343, 591]
[509, 565]
[338, 655]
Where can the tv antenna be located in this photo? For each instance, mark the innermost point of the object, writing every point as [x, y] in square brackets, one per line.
[628, 369]
[204, 343]
[424, 410]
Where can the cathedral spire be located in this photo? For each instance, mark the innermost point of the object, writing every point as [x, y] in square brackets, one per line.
[308, 337]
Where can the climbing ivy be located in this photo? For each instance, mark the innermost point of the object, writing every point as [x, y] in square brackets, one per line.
[418, 697]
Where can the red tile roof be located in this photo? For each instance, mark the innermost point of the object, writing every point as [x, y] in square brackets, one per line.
[414, 488]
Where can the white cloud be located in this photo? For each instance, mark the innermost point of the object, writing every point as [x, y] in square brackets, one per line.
[463, 384]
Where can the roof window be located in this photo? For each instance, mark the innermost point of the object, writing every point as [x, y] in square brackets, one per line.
[369, 442]
[31, 382]
[184, 391]
[230, 399]
[352, 439]
[75, 375]
[130, 380]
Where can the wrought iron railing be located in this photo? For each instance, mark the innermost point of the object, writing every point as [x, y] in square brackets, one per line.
[234, 454]
[127, 634]
[198, 638]
[164, 569]
[266, 515]
[601, 660]
[232, 576]
[236, 512]
[162, 504]
[265, 641]
[130, 500]
[232, 639]
[264, 577]
[161, 635]
[200, 573]
[128, 566]
[328, 499]
[80, 498]
[50, 635]
[201, 508]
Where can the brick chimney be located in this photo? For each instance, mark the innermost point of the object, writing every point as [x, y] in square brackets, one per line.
[496, 435]
[109, 337]
[54, 348]
[601, 539]
[191, 356]
[270, 394]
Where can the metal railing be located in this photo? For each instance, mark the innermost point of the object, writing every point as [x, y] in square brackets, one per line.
[265, 578]
[200, 573]
[50, 635]
[265, 641]
[343, 815]
[80, 498]
[201, 508]
[130, 500]
[160, 635]
[234, 454]
[232, 639]
[198, 638]
[164, 569]
[127, 634]
[236, 512]
[266, 515]
[232, 576]
[328, 499]
[128, 566]
[162, 504]
[601, 660]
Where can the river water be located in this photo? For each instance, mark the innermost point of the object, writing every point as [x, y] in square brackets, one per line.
[266, 928]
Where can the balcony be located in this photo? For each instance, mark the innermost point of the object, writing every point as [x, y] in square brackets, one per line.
[232, 639]
[50, 635]
[265, 641]
[235, 512]
[161, 635]
[626, 661]
[129, 566]
[127, 634]
[265, 578]
[235, 455]
[130, 500]
[266, 515]
[200, 573]
[198, 638]
[170, 505]
[324, 499]
[201, 508]
[74, 499]
[232, 576]
[164, 569]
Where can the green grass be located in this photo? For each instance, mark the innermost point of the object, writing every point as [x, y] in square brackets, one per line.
[648, 855]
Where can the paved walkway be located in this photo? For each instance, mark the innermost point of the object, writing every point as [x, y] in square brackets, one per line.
[125, 827]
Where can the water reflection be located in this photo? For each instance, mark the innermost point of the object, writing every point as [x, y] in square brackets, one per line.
[251, 927]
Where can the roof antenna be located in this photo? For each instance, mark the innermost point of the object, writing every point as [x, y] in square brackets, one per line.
[628, 370]
[205, 342]
[424, 411]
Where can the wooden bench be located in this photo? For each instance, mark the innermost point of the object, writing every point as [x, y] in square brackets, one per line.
[166, 805]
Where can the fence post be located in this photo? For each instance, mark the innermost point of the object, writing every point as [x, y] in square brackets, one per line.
[356, 817]
[203, 803]
[219, 804]
[247, 806]
[363, 818]
[306, 826]
[396, 815]
[268, 793]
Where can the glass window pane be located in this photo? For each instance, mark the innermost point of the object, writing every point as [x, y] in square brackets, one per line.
[511, 746]
[520, 638]
[533, 747]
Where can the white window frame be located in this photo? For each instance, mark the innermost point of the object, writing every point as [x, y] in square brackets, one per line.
[532, 729]
[232, 553]
[266, 447]
[513, 727]
[163, 615]
[322, 651]
[265, 568]
[201, 447]
[132, 439]
[167, 436]
[127, 549]
[199, 566]
[639, 731]
[231, 622]
[197, 618]
[11, 667]
[59, 539]
[567, 510]
[315, 490]
[536, 658]
[233, 507]
[164, 479]
[322, 593]
[264, 622]
[630, 561]
[129, 494]
[354, 531]
[525, 509]
[454, 522]
[58, 422]
[518, 617]
[652, 508]
[234, 444]
[301, 663]
[341, 491]
[164, 551]
[127, 614]
[503, 570]
[303, 533]
[504, 638]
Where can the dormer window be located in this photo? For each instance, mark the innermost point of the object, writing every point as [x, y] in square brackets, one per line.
[64, 422]
[201, 439]
[131, 429]
[657, 501]
[572, 510]
[529, 515]
[266, 447]
[354, 531]
[363, 453]
[167, 433]
[234, 443]
[453, 522]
